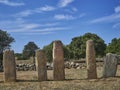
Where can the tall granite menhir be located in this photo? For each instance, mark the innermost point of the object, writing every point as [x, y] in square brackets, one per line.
[58, 61]
[91, 60]
[9, 66]
[110, 65]
[41, 65]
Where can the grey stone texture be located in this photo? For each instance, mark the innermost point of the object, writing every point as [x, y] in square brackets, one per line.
[58, 61]
[9, 66]
[91, 60]
[110, 65]
[41, 65]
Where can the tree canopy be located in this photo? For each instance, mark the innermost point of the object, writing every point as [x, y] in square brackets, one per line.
[29, 50]
[77, 46]
[48, 49]
[114, 46]
[5, 41]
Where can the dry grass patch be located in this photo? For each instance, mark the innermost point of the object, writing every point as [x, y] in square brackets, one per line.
[76, 79]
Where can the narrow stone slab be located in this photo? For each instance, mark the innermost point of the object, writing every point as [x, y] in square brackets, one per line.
[118, 60]
[110, 65]
[41, 65]
[91, 60]
[9, 66]
[58, 61]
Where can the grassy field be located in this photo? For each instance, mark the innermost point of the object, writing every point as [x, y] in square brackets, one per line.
[76, 79]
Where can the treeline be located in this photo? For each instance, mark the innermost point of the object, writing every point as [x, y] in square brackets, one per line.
[77, 47]
[75, 50]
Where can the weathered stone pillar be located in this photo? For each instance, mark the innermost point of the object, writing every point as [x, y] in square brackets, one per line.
[58, 61]
[41, 65]
[110, 65]
[9, 66]
[91, 60]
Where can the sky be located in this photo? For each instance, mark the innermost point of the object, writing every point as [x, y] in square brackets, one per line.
[43, 21]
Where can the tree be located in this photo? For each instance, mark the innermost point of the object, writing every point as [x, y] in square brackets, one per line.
[48, 50]
[29, 50]
[77, 46]
[19, 56]
[5, 41]
[114, 46]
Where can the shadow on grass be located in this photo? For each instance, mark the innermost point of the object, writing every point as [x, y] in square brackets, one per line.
[1, 81]
[117, 76]
[18, 80]
[84, 79]
[48, 80]
[75, 79]
[27, 81]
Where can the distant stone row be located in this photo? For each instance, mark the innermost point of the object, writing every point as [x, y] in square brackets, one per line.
[67, 64]
[109, 68]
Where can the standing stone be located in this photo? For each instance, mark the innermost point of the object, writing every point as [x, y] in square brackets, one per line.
[41, 65]
[58, 61]
[118, 59]
[9, 66]
[110, 65]
[91, 60]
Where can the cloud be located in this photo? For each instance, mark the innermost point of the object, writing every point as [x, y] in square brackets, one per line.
[31, 26]
[82, 15]
[71, 10]
[68, 17]
[38, 33]
[74, 9]
[110, 18]
[21, 26]
[64, 3]
[115, 17]
[45, 8]
[117, 25]
[7, 2]
[37, 30]
[49, 24]
[25, 13]
[12, 25]
[63, 17]
[45, 31]
[50, 29]
[117, 9]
